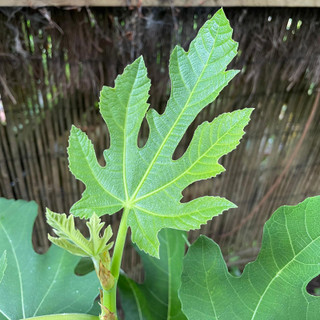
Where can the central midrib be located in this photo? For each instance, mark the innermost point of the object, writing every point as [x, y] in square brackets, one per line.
[124, 157]
[174, 125]
[186, 170]
[85, 156]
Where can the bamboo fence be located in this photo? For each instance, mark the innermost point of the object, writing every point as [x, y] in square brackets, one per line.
[53, 63]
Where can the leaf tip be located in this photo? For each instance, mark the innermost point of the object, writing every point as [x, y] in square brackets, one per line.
[250, 110]
[220, 13]
[73, 130]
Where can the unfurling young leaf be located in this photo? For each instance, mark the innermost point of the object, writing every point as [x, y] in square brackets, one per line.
[273, 286]
[146, 181]
[73, 241]
[34, 284]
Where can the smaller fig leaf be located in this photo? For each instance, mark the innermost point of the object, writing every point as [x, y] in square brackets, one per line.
[72, 240]
[98, 244]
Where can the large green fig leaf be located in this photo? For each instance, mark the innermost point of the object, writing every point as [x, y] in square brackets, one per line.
[146, 181]
[273, 286]
[157, 298]
[34, 284]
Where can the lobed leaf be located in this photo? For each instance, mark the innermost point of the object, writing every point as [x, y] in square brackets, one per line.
[157, 298]
[273, 286]
[73, 241]
[32, 284]
[146, 181]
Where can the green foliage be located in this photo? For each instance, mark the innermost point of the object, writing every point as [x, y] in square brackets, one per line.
[73, 241]
[3, 264]
[157, 298]
[34, 284]
[273, 286]
[84, 266]
[146, 181]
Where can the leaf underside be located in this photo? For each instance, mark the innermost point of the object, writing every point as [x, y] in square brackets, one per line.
[147, 181]
[273, 286]
[34, 284]
[157, 298]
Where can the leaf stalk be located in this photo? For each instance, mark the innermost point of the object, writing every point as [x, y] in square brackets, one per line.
[109, 299]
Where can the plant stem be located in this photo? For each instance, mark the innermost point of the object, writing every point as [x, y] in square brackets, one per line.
[110, 296]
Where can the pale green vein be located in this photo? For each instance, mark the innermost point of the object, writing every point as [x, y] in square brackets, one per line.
[18, 267]
[93, 173]
[135, 298]
[124, 153]
[289, 235]
[51, 285]
[155, 247]
[306, 225]
[189, 168]
[279, 273]
[175, 123]
[227, 275]
[207, 284]
[166, 215]
[271, 249]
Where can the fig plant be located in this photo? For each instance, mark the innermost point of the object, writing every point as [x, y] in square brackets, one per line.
[146, 184]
